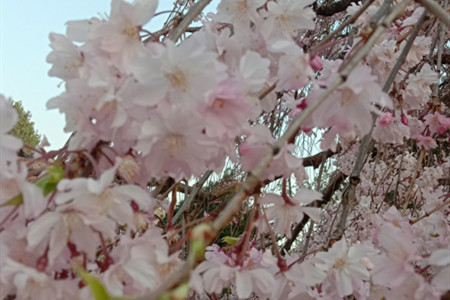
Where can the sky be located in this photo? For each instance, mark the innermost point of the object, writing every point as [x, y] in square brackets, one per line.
[24, 29]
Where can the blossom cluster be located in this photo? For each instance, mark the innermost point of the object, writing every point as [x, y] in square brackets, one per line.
[150, 113]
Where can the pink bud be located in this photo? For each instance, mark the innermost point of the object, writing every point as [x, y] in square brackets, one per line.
[404, 119]
[244, 148]
[302, 105]
[316, 63]
[385, 119]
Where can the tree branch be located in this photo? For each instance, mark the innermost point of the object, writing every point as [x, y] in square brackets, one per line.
[434, 8]
[333, 7]
[188, 18]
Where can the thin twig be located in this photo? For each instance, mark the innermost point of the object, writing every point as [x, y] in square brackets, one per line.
[441, 41]
[398, 175]
[413, 181]
[187, 202]
[401, 59]
[427, 214]
[349, 21]
[188, 18]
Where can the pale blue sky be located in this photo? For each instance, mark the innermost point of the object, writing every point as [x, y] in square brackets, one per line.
[24, 45]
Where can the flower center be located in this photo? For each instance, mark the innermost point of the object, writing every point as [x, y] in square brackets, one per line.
[132, 32]
[178, 79]
[219, 102]
[340, 263]
[105, 200]
[242, 6]
[128, 167]
[173, 144]
[347, 97]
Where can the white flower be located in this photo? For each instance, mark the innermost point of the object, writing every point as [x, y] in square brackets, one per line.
[441, 258]
[287, 211]
[287, 17]
[346, 265]
[9, 144]
[119, 35]
[239, 13]
[184, 73]
[254, 70]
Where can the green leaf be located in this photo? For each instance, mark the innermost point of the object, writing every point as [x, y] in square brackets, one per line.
[56, 173]
[16, 201]
[199, 236]
[98, 290]
[43, 181]
[49, 182]
[231, 241]
[180, 293]
[49, 187]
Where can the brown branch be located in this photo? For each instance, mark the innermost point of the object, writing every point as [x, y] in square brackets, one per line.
[332, 7]
[231, 187]
[429, 213]
[315, 160]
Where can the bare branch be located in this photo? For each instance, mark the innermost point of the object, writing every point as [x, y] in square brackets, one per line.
[192, 195]
[427, 214]
[333, 7]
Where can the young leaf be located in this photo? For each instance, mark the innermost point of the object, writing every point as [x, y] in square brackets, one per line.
[16, 201]
[98, 290]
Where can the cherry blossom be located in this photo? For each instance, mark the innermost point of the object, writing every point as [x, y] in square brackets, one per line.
[346, 265]
[286, 211]
[10, 145]
[189, 135]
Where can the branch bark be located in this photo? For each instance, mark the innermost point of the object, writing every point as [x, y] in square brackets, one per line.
[333, 7]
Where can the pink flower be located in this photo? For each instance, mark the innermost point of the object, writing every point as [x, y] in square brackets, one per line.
[104, 198]
[441, 259]
[140, 264]
[287, 17]
[70, 223]
[294, 68]
[238, 12]
[227, 112]
[119, 35]
[385, 119]
[285, 213]
[418, 88]
[174, 144]
[346, 264]
[258, 144]
[426, 142]
[183, 73]
[316, 63]
[10, 145]
[349, 109]
[217, 272]
[393, 267]
[66, 58]
[437, 122]
[404, 119]
[254, 71]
